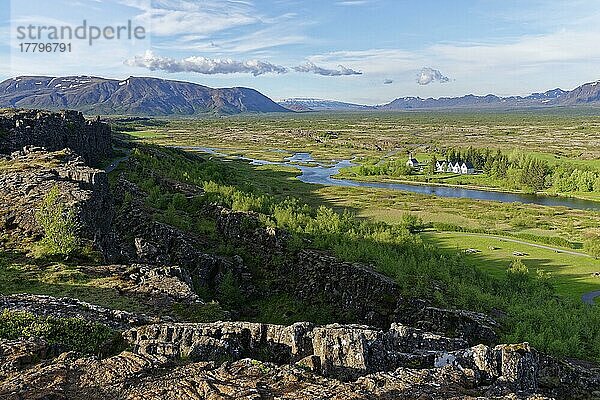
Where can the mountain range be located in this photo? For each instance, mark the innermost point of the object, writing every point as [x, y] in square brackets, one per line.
[134, 95]
[586, 94]
[308, 104]
[154, 96]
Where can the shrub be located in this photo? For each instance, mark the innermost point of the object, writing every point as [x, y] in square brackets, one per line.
[411, 222]
[229, 291]
[592, 244]
[72, 333]
[59, 225]
[517, 267]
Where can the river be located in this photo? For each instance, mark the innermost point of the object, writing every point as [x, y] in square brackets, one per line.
[323, 174]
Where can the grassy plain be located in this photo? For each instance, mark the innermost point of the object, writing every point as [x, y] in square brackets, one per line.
[574, 135]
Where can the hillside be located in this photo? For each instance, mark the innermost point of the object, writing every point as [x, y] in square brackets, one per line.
[586, 94]
[134, 95]
[308, 104]
[553, 97]
[155, 97]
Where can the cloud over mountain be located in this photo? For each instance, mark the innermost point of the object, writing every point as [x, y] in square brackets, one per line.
[202, 65]
[428, 75]
[313, 68]
[212, 66]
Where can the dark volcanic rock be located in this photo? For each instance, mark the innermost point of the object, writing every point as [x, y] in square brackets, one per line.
[378, 358]
[141, 239]
[353, 288]
[245, 227]
[55, 131]
[343, 351]
[290, 362]
[21, 353]
[474, 327]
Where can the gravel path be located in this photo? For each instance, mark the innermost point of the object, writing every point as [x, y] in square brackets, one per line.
[118, 161]
[540, 246]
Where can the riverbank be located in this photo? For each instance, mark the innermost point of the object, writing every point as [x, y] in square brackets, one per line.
[385, 179]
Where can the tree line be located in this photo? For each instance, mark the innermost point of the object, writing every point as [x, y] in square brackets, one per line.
[524, 170]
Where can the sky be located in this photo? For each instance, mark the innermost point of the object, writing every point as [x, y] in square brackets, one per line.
[362, 51]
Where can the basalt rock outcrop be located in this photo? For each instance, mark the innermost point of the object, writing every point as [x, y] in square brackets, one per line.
[367, 354]
[90, 139]
[356, 290]
[302, 361]
[138, 238]
[134, 377]
[28, 175]
[158, 288]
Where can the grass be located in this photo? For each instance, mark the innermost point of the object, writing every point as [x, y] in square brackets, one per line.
[540, 308]
[20, 273]
[70, 333]
[571, 274]
[46, 162]
[571, 135]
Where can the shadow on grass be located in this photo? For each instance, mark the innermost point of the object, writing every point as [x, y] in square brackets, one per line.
[20, 273]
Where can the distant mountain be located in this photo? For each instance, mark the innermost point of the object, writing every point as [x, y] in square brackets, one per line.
[134, 95]
[588, 93]
[308, 104]
[154, 96]
[549, 95]
[550, 98]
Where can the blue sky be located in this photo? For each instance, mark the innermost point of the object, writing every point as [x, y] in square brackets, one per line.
[366, 51]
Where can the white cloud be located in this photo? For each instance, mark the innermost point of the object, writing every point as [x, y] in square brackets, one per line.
[428, 75]
[373, 61]
[202, 65]
[213, 66]
[312, 68]
[259, 40]
[352, 2]
[562, 46]
[177, 17]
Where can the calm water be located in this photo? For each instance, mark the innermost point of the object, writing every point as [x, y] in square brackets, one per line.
[321, 174]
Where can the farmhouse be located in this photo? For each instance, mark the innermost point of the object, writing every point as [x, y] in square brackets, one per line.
[467, 168]
[455, 167]
[441, 166]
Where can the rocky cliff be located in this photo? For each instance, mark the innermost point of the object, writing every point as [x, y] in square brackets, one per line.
[226, 360]
[55, 131]
[28, 175]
